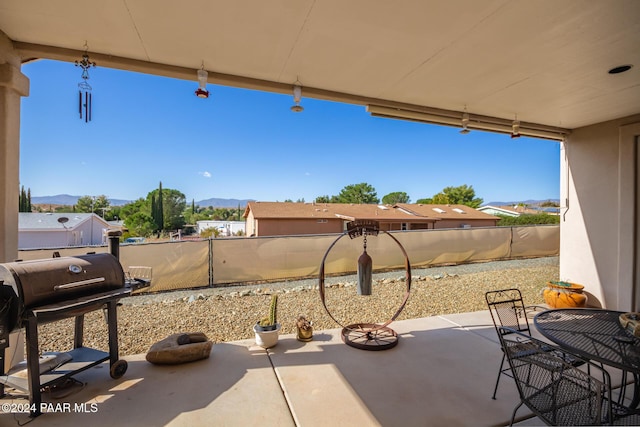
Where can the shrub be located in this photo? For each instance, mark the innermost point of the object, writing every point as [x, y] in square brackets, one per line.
[528, 219]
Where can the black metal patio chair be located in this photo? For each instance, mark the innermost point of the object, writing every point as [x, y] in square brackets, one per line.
[508, 310]
[557, 392]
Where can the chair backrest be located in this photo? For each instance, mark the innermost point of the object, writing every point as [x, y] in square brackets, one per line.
[507, 309]
[558, 393]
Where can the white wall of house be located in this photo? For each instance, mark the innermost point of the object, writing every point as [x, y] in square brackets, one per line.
[598, 222]
[227, 228]
[90, 232]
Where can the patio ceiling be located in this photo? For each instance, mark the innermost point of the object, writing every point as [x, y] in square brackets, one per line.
[546, 61]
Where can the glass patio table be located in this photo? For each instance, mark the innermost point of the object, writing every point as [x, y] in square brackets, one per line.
[597, 335]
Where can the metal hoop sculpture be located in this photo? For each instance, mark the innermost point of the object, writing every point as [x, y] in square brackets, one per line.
[367, 336]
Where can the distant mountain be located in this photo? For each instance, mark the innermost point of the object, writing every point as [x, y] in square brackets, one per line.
[66, 199]
[526, 202]
[223, 203]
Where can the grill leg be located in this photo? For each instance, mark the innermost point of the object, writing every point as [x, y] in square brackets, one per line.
[78, 334]
[112, 321]
[3, 354]
[33, 363]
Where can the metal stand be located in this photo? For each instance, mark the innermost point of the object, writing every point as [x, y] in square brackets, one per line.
[82, 358]
[367, 336]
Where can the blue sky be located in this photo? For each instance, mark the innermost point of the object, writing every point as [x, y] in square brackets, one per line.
[248, 145]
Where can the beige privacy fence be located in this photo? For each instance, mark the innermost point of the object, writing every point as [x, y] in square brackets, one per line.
[192, 264]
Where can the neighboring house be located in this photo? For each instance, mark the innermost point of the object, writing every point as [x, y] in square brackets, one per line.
[58, 230]
[226, 228]
[451, 216]
[277, 218]
[286, 218]
[499, 210]
[517, 210]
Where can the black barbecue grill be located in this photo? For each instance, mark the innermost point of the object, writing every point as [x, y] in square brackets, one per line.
[48, 290]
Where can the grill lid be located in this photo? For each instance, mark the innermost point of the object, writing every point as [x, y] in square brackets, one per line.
[47, 281]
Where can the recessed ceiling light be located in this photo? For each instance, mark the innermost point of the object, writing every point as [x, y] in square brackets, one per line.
[620, 69]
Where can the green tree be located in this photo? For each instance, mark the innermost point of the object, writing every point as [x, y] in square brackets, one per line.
[140, 224]
[91, 204]
[24, 200]
[461, 195]
[113, 214]
[358, 193]
[173, 204]
[64, 209]
[395, 197]
[133, 207]
[525, 219]
[157, 207]
[326, 199]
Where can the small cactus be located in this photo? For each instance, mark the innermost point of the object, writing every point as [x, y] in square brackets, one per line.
[273, 312]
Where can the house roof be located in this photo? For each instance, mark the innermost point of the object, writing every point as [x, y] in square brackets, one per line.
[286, 210]
[31, 221]
[445, 211]
[507, 210]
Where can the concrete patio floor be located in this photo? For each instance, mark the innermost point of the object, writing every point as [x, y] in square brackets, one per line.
[441, 373]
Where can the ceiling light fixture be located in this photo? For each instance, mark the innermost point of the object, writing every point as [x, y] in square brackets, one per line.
[203, 76]
[515, 128]
[297, 95]
[465, 122]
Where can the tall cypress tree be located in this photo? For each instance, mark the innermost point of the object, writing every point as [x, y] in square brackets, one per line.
[24, 201]
[154, 210]
[160, 209]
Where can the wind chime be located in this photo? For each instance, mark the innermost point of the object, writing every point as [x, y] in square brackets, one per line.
[84, 88]
[367, 336]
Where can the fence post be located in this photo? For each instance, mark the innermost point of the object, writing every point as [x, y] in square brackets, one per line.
[210, 262]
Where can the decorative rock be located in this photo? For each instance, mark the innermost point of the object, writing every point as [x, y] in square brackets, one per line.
[180, 348]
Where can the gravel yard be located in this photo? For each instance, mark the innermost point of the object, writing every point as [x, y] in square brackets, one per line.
[228, 313]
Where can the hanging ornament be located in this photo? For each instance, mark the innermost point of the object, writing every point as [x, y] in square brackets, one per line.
[365, 266]
[203, 77]
[515, 128]
[84, 88]
[297, 95]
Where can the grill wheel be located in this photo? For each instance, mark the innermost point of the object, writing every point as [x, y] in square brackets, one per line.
[118, 369]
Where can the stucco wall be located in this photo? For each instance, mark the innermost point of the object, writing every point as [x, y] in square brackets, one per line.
[597, 215]
[282, 227]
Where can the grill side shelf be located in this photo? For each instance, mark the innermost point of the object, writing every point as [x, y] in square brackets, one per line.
[81, 302]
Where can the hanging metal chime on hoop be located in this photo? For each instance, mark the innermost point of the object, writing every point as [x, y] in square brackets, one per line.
[364, 228]
[84, 88]
[366, 335]
[365, 267]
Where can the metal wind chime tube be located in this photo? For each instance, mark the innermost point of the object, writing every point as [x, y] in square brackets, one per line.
[365, 267]
[84, 88]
